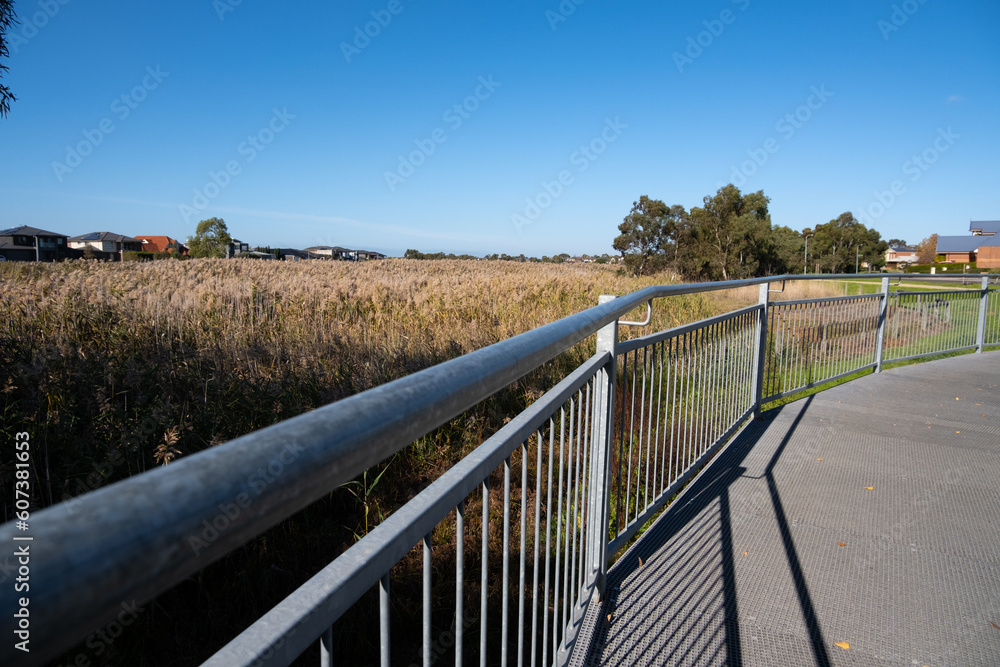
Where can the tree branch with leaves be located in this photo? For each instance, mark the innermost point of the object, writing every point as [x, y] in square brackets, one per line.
[7, 19]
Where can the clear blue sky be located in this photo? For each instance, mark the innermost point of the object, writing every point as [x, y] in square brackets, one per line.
[658, 113]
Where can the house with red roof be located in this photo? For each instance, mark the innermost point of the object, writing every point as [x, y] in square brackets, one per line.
[161, 244]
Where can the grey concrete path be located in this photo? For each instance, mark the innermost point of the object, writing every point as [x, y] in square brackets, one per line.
[860, 526]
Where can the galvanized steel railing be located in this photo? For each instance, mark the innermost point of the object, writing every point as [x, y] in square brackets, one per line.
[931, 323]
[683, 393]
[811, 342]
[549, 499]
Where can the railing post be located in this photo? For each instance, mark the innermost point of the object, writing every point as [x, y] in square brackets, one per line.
[981, 324]
[758, 371]
[883, 315]
[600, 481]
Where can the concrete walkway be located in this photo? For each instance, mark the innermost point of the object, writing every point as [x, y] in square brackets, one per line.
[860, 526]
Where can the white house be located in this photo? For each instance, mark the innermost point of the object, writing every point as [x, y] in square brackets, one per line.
[105, 242]
[898, 255]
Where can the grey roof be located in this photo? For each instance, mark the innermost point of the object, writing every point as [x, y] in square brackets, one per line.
[105, 236]
[966, 243]
[24, 230]
[904, 248]
[985, 226]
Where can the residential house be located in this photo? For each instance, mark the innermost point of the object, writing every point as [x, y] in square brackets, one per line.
[984, 227]
[368, 254]
[106, 242]
[27, 244]
[898, 256]
[291, 254]
[332, 252]
[161, 244]
[965, 248]
[236, 247]
[988, 257]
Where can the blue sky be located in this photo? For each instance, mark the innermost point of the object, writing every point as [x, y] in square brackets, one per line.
[519, 127]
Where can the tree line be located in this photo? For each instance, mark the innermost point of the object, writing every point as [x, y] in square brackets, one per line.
[731, 237]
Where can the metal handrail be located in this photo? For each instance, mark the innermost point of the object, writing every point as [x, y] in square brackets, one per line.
[137, 538]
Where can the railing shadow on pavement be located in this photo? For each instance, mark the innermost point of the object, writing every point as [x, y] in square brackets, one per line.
[684, 540]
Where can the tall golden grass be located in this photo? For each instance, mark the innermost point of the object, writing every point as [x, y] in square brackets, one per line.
[93, 344]
[115, 368]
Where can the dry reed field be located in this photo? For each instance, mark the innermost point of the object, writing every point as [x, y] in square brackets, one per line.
[115, 368]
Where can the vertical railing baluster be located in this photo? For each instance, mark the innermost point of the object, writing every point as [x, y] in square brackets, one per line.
[692, 400]
[582, 491]
[983, 310]
[686, 407]
[642, 427]
[650, 446]
[703, 354]
[505, 546]
[522, 564]
[761, 349]
[717, 404]
[326, 648]
[459, 577]
[548, 548]
[604, 426]
[562, 526]
[883, 313]
[538, 526]
[658, 459]
[672, 408]
[484, 573]
[427, 600]
[383, 621]
[622, 465]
